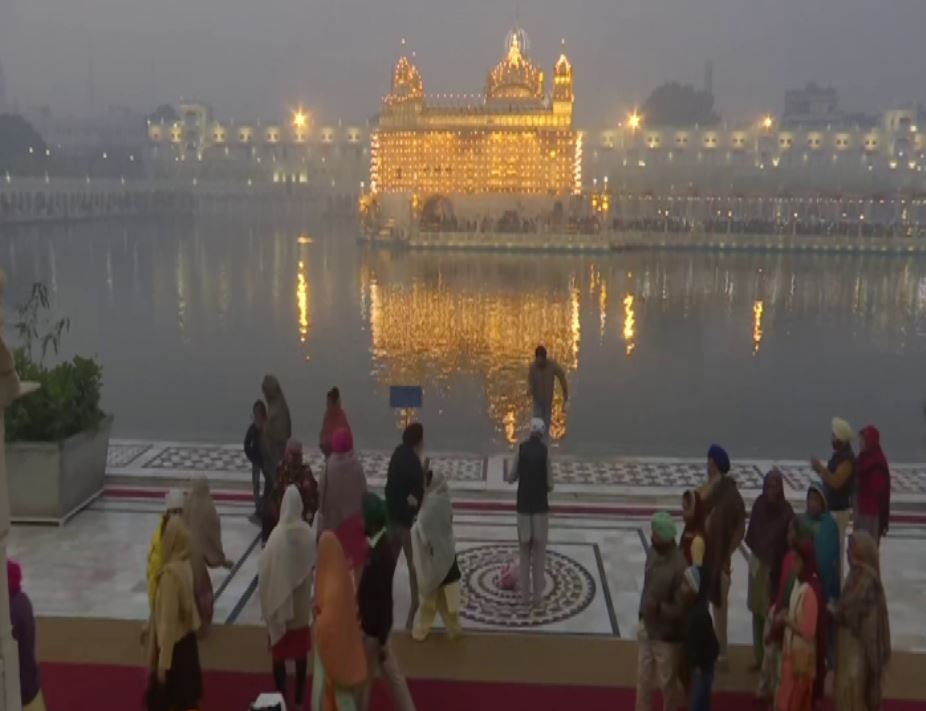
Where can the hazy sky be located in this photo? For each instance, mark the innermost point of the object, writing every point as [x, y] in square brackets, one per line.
[256, 58]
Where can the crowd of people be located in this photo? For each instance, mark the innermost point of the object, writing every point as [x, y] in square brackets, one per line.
[810, 618]
[331, 547]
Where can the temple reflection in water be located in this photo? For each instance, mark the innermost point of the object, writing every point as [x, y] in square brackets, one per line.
[436, 317]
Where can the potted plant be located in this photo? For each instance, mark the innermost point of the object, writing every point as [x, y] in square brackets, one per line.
[57, 437]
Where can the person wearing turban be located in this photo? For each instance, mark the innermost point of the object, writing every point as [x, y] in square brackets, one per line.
[661, 616]
[838, 477]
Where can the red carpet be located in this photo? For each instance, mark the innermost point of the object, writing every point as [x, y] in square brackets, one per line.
[75, 687]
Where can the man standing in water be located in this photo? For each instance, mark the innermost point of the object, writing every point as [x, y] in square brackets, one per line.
[540, 384]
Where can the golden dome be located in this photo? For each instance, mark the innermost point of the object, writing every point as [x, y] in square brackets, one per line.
[562, 80]
[515, 77]
[406, 82]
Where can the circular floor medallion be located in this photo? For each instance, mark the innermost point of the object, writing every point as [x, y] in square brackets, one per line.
[568, 588]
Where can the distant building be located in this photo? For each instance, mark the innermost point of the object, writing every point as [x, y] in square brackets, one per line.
[812, 107]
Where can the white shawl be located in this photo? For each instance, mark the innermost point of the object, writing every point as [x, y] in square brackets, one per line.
[285, 563]
[433, 544]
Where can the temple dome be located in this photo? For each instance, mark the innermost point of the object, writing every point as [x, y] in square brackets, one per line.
[515, 77]
[407, 84]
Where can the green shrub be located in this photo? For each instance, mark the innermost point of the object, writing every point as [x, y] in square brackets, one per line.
[68, 400]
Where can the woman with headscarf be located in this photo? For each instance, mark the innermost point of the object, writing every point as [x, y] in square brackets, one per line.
[173, 506]
[293, 471]
[800, 651]
[434, 550]
[276, 431]
[864, 633]
[341, 491]
[340, 665]
[176, 682]
[767, 538]
[22, 620]
[285, 591]
[873, 500]
[692, 540]
[825, 533]
[335, 419]
[206, 549]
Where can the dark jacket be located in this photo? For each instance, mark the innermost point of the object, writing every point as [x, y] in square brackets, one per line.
[23, 622]
[532, 473]
[252, 445]
[374, 593]
[404, 478]
[661, 583]
[701, 645]
[842, 498]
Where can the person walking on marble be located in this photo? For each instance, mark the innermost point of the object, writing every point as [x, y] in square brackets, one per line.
[274, 436]
[176, 680]
[252, 450]
[434, 549]
[864, 632]
[335, 419]
[206, 550]
[285, 591]
[873, 503]
[533, 473]
[404, 493]
[340, 493]
[22, 621]
[838, 477]
[173, 506]
[375, 601]
[541, 377]
[661, 616]
[726, 525]
[767, 538]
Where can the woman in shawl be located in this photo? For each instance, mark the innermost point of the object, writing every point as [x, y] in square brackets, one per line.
[873, 502]
[206, 549]
[341, 491]
[800, 650]
[340, 665]
[692, 540]
[864, 633]
[767, 538]
[275, 433]
[293, 471]
[825, 540]
[22, 621]
[434, 551]
[176, 682]
[335, 419]
[285, 590]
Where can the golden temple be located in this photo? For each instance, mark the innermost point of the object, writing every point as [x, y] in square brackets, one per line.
[515, 138]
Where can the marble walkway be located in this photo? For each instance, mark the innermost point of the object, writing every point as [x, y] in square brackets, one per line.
[95, 565]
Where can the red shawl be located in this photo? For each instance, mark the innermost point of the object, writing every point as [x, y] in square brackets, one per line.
[874, 479]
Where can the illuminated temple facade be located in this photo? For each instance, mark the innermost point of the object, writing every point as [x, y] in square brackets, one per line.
[517, 138]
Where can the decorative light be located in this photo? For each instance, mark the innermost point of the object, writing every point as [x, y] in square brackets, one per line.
[767, 122]
[634, 120]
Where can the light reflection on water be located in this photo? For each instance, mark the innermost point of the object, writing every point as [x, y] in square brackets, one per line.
[758, 351]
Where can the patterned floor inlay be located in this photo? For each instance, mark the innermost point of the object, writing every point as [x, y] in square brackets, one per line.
[568, 588]
[672, 475]
[120, 455]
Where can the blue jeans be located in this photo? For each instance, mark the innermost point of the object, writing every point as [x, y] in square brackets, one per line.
[701, 682]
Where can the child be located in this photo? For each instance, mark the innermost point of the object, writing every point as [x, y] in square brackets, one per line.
[701, 646]
[253, 453]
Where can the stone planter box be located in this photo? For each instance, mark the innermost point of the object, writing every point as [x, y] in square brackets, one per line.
[49, 482]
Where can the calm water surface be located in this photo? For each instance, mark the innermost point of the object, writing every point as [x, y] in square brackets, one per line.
[665, 352]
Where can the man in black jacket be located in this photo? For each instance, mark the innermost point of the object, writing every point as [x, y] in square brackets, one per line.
[374, 600]
[404, 492]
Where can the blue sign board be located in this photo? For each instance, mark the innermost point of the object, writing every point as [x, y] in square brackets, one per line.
[405, 396]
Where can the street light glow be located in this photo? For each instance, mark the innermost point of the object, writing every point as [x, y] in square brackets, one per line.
[300, 119]
[767, 122]
[634, 120]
